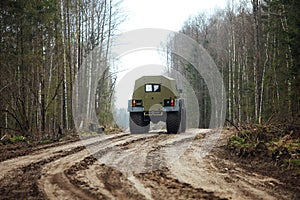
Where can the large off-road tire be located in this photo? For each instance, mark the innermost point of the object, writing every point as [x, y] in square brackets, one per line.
[173, 121]
[137, 124]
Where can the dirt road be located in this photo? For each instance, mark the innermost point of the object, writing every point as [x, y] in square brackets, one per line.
[126, 166]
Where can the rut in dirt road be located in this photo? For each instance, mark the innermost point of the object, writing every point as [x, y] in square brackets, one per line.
[120, 183]
[19, 176]
[23, 181]
[126, 166]
[57, 184]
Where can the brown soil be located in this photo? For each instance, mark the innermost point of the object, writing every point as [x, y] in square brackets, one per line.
[125, 166]
[23, 148]
[276, 147]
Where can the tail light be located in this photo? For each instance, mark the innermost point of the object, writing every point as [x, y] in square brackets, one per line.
[169, 102]
[133, 103]
[136, 103]
[172, 102]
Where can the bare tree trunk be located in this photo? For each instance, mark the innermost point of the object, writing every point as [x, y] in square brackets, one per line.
[263, 74]
[65, 89]
[256, 60]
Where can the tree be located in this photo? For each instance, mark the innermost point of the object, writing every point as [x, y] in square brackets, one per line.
[255, 44]
[42, 46]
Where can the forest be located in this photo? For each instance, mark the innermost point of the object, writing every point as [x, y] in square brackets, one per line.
[43, 44]
[255, 44]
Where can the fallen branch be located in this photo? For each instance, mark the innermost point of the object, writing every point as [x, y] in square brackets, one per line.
[3, 137]
[233, 124]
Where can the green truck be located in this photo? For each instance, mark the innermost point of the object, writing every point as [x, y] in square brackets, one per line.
[156, 98]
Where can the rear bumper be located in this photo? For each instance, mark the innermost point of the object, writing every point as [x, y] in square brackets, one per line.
[164, 109]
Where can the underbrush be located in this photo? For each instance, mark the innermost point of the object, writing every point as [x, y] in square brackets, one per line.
[36, 139]
[14, 139]
[279, 144]
[113, 130]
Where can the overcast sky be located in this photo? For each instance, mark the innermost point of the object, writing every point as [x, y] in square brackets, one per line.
[166, 14]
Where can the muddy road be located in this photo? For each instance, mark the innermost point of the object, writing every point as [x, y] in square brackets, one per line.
[126, 166]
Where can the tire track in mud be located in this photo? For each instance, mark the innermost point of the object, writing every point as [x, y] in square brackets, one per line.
[15, 150]
[102, 181]
[58, 180]
[66, 178]
[115, 183]
[163, 186]
[15, 163]
[159, 179]
[150, 153]
[131, 157]
[164, 152]
[217, 174]
[125, 166]
[23, 181]
[19, 176]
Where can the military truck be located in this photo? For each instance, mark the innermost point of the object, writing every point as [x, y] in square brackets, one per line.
[155, 99]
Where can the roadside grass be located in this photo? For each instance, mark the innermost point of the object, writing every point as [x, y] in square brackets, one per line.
[14, 139]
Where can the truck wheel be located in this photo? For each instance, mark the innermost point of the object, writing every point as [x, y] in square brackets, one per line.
[137, 123]
[173, 121]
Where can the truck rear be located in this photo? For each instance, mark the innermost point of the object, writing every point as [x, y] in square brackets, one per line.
[156, 98]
